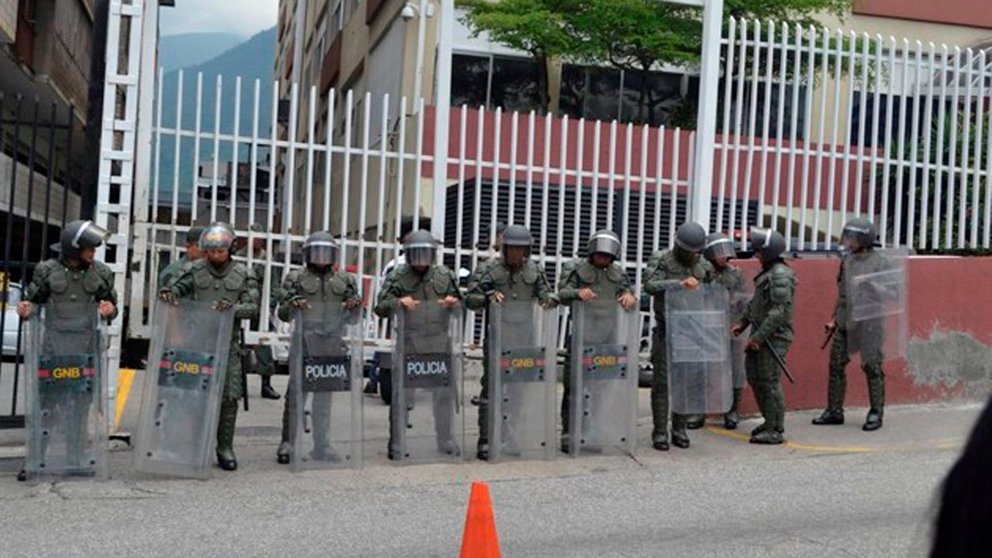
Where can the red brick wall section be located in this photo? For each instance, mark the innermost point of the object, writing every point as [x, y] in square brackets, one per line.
[969, 13]
[950, 329]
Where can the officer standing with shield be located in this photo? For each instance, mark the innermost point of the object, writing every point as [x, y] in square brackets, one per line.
[718, 251]
[420, 281]
[513, 277]
[597, 276]
[317, 283]
[65, 284]
[858, 239]
[193, 254]
[229, 286]
[678, 268]
[770, 316]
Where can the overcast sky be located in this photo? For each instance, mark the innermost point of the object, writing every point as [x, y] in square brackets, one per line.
[241, 17]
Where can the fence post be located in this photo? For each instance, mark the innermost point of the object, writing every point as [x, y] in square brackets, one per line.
[702, 185]
[442, 114]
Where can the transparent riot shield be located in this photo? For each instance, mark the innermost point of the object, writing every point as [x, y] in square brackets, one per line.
[66, 393]
[876, 286]
[326, 387]
[603, 377]
[180, 403]
[738, 306]
[522, 380]
[426, 416]
[699, 362]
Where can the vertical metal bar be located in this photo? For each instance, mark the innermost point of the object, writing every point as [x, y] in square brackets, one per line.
[9, 232]
[49, 180]
[952, 161]
[988, 176]
[821, 147]
[752, 124]
[979, 130]
[965, 149]
[797, 81]
[176, 157]
[380, 220]
[611, 177]
[642, 201]
[914, 135]
[216, 153]
[702, 188]
[807, 133]
[876, 109]
[196, 146]
[739, 133]
[580, 162]
[901, 160]
[596, 146]
[546, 164]
[887, 154]
[531, 123]
[400, 174]
[765, 124]
[480, 145]
[460, 214]
[562, 185]
[270, 218]
[418, 179]
[156, 181]
[497, 144]
[253, 164]
[349, 106]
[659, 193]
[783, 49]
[236, 158]
[941, 115]
[927, 134]
[514, 131]
[290, 192]
[728, 88]
[363, 199]
[673, 208]
[862, 121]
[624, 223]
[832, 180]
[329, 159]
[848, 116]
[308, 184]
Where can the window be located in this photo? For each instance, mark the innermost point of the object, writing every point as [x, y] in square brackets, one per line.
[495, 81]
[609, 94]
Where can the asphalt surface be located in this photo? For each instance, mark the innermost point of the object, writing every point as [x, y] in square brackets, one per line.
[832, 491]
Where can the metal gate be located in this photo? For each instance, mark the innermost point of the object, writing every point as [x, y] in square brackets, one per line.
[39, 192]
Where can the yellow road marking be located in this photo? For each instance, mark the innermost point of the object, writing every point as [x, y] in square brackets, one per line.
[125, 378]
[794, 445]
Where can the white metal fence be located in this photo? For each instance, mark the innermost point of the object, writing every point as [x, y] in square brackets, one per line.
[815, 126]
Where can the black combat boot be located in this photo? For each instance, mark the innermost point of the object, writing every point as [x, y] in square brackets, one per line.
[268, 392]
[679, 438]
[659, 442]
[225, 435]
[829, 417]
[873, 422]
[695, 422]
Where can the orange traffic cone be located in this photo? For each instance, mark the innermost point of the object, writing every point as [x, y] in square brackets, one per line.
[479, 539]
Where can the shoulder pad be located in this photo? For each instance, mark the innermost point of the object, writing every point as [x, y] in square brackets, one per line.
[586, 271]
[781, 274]
[615, 272]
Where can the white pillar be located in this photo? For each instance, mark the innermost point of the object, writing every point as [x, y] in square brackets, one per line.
[702, 184]
[442, 113]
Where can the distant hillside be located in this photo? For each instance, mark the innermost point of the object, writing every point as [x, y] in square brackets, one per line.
[189, 49]
[251, 60]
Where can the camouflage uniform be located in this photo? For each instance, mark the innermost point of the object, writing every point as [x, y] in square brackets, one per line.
[665, 272]
[608, 284]
[436, 283]
[770, 316]
[331, 288]
[526, 283]
[265, 361]
[732, 278]
[173, 270]
[233, 283]
[870, 330]
[55, 283]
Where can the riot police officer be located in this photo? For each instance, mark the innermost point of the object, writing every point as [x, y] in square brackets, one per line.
[318, 282]
[718, 251]
[513, 276]
[409, 285]
[73, 277]
[858, 238]
[770, 316]
[229, 286]
[678, 268]
[598, 275]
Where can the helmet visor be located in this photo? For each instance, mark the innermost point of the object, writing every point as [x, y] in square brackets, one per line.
[420, 255]
[720, 248]
[216, 238]
[321, 253]
[90, 235]
[604, 245]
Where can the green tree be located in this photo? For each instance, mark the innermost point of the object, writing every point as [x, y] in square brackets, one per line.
[537, 27]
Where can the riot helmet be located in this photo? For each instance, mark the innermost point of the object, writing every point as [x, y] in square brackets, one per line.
[604, 241]
[719, 245]
[767, 242]
[320, 249]
[218, 236]
[861, 233]
[420, 248]
[79, 235]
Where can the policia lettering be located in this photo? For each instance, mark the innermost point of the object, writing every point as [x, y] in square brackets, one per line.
[230, 287]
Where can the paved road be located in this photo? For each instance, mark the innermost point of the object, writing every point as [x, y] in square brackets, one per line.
[830, 492]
